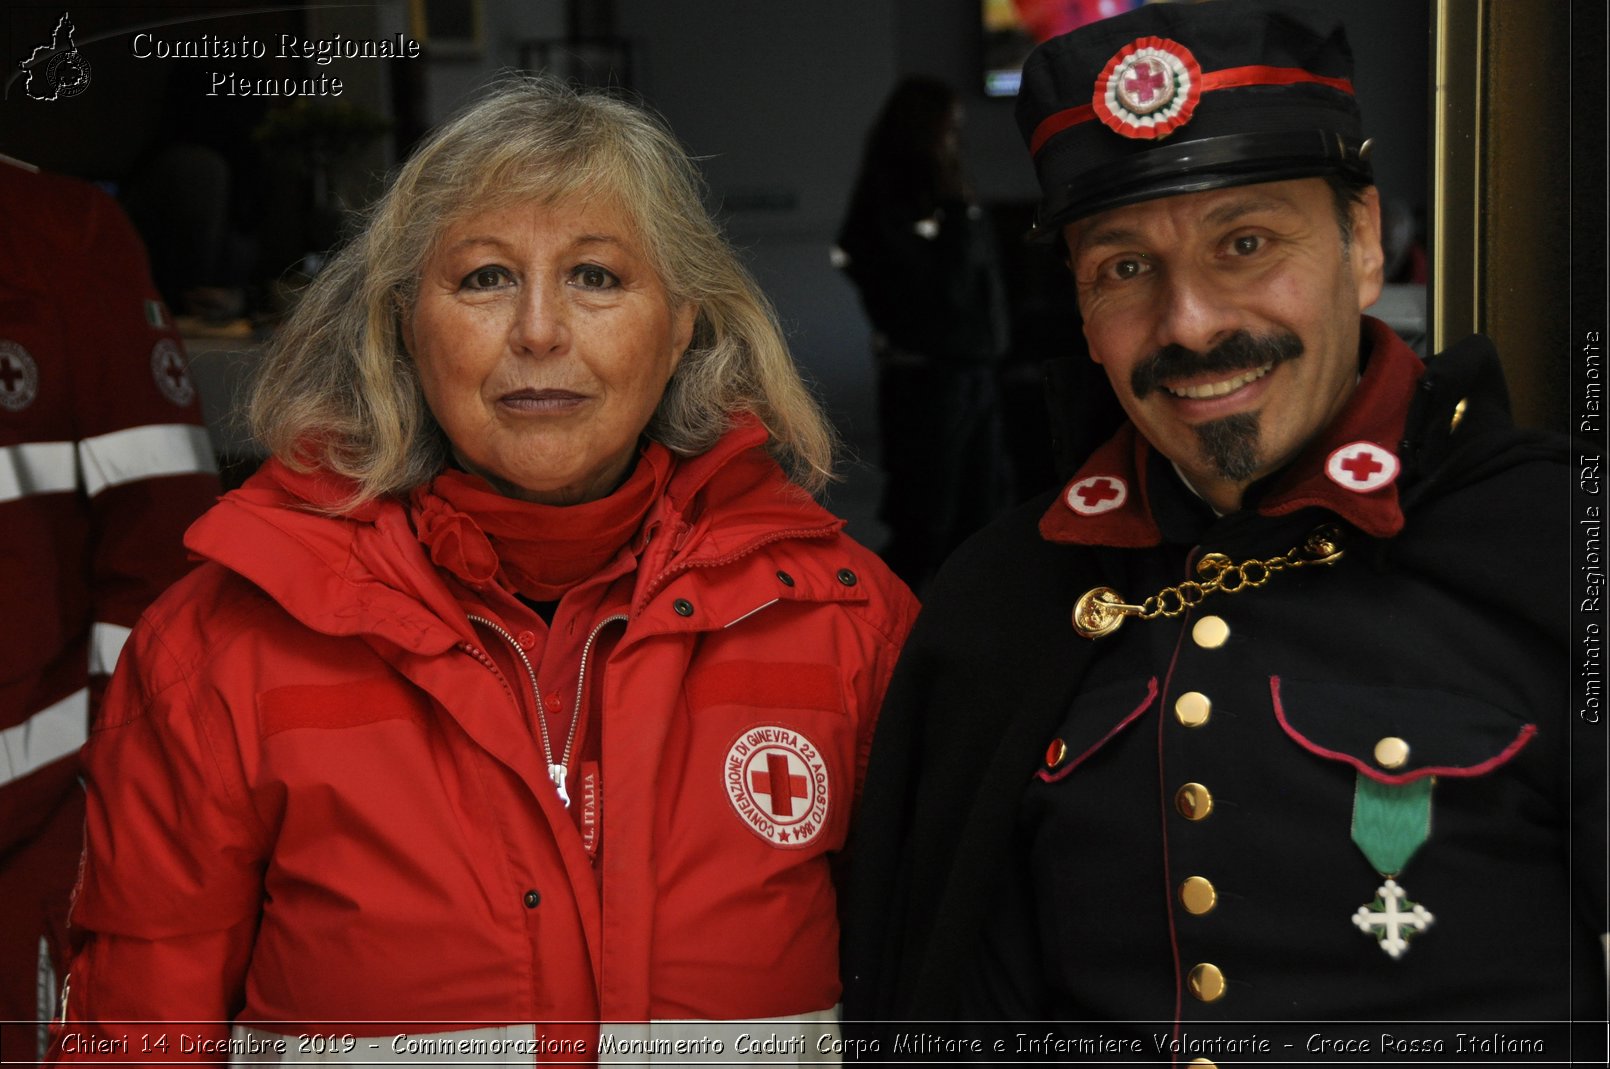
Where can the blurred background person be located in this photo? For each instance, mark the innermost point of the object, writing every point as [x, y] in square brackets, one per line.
[103, 463]
[922, 254]
[199, 195]
[526, 684]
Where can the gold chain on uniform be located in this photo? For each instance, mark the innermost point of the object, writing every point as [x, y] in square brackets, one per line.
[1102, 610]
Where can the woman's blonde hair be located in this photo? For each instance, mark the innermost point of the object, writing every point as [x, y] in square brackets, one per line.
[337, 389]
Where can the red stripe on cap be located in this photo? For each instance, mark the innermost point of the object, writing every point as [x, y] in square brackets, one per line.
[1229, 78]
[1056, 123]
[1241, 77]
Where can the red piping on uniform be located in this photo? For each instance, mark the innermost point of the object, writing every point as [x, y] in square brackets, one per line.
[1449, 771]
[1229, 78]
[1151, 696]
[1168, 870]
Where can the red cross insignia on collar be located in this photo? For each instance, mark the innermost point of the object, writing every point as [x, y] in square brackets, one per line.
[1361, 467]
[1097, 494]
[1148, 89]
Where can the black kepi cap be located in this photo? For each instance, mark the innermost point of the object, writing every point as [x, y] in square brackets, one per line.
[1178, 98]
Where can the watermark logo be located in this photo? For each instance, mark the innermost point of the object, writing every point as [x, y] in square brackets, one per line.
[58, 70]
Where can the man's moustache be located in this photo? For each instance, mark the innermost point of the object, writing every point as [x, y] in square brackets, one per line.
[1241, 351]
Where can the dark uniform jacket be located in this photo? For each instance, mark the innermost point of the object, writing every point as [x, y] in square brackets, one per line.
[1156, 825]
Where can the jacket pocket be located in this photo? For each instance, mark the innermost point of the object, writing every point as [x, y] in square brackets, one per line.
[763, 684]
[773, 745]
[1095, 720]
[1398, 734]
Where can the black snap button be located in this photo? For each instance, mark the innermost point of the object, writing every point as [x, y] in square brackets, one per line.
[532, 900]
[683, 607]
[847, 577]
[785, 579]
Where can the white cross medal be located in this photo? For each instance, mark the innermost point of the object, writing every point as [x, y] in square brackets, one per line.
[1389, 922]
[1390, 823]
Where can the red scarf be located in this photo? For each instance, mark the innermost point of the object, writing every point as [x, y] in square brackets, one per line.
[539, 551]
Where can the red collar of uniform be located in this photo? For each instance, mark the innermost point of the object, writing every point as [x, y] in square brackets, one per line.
[1351, 469]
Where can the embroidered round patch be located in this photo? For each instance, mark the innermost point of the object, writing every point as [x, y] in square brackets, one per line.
[777, 782]
[1149, 89]
[167, 366]
[19, 377]
[1361, 467]
[1097, 494]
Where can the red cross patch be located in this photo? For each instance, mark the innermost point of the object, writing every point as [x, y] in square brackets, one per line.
[19, 377]
[1097, 494]
[168, 368]
[1148, 89]
[777, 782]
[1361, 467]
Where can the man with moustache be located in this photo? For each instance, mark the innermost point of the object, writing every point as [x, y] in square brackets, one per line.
[1263, 716]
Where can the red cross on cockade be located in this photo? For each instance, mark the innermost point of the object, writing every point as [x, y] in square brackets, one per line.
[777, 782]
[1097, 492]
[1361, 466]
[11, 372]
[1143, 83]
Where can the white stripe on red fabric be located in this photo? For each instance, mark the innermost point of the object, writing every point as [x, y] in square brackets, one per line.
[105, 643]
[809, 1039]
[48, 735]
[512, 1045]
[797, 1039]
[37, 468]
[144, 453]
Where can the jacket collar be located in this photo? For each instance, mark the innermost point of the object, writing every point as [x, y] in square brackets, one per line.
[361, 572]
[1351, 469]
[364, 572]
[727, 501]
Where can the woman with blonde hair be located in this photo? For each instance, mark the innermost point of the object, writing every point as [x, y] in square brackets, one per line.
[525, 687]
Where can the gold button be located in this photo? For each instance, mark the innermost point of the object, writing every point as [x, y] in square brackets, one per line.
[1203, 1062]
[1194, 801]
[1391, 752]
[1198, 896]
[1458, 414]
[1206, 982]
[1193, 709]
[1210, 632]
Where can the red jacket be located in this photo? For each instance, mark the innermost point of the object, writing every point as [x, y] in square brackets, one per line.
[103, 463]
[314, 797]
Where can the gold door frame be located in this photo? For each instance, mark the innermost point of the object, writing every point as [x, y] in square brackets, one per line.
[1499, 226]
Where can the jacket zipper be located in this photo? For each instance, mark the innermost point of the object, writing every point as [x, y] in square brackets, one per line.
[581, 679]
[486, 661]
[558, 771]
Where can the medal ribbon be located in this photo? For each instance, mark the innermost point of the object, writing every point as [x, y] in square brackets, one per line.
[1391, 821]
